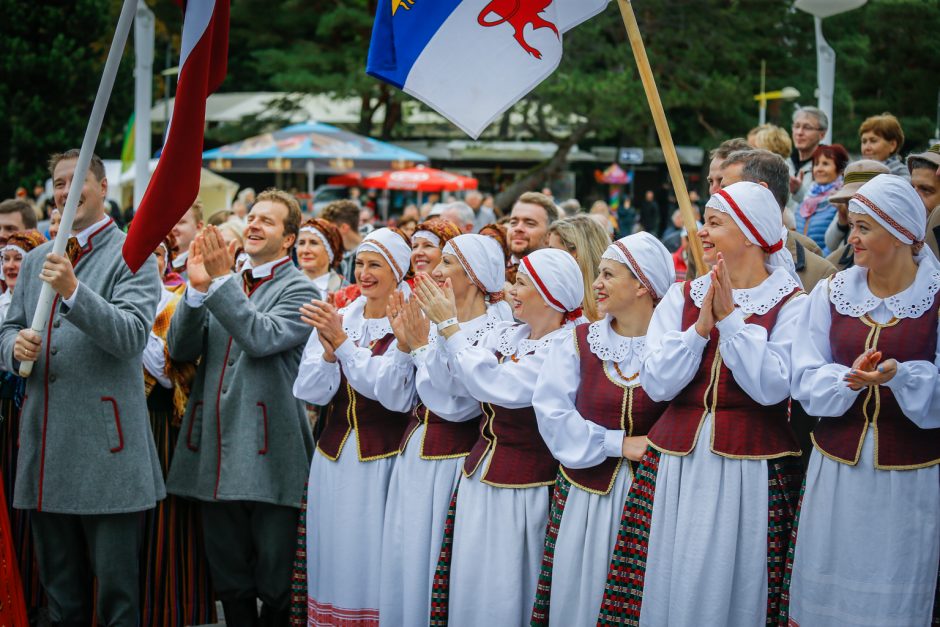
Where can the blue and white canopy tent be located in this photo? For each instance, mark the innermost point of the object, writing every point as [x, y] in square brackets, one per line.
[310, 147]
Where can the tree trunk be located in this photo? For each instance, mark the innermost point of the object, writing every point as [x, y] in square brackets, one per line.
[535, 179]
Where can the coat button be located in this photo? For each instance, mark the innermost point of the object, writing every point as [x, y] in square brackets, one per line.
[54, 350]
[56, 324]
[51, 378]
[231, 362]
[224, 390]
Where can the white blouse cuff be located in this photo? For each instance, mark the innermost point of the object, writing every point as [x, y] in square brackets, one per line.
[399, 357]
[457, 342]
[694, 342]
[731, 325]
[901, 377]
[613, 442]
[346, 350]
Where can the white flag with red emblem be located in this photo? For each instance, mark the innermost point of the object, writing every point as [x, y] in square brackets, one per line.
[471, 60]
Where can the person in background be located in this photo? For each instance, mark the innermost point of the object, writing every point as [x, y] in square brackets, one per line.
[184, 233]
[345, 215]
[809, 128]
[776, 140]
[428, 242]
[482, 214]
[319, 251]
[529, 220]
[12, 387]
[459, 213]
[815, 212]
[717, 160]
[55, 218]
[15, 216]
[649, 213]
[499, 233]
[407, 225]
[925, 177]
[570, 207]
[586, 241]
[881, 138]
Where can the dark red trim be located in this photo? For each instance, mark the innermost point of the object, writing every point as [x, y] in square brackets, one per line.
[264, 417]
[117, 421]
[192, 421]
[218, 420]
[767, 248]
[542, 288]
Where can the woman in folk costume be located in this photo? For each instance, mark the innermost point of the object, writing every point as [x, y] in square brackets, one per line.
[176, 589]
[353, 366]
[867, 538]
[18, 573]
[592, 413]
[712, 494]
[319, 252]
[502, 501]
[427, 244]
[443, 429]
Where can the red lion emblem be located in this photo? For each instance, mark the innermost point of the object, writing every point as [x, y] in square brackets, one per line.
[518, 13]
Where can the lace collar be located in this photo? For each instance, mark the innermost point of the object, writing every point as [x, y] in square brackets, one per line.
[608, 345]
[753, 300]
[357, 327]
[514, 341]
[849, 293]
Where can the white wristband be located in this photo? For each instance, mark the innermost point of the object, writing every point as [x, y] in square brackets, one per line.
[446, 323]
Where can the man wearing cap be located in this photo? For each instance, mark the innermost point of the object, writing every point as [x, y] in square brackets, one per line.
[856, 174]
[925, 177]
[245, 442]
[770, 170]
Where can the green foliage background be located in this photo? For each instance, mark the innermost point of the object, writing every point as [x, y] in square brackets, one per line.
[705, 54]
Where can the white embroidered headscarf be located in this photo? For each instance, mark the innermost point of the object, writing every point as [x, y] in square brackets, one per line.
[892, 202]
[756, 212]
[482, 260]
[393, 248]
[557, 278]
[647, 259]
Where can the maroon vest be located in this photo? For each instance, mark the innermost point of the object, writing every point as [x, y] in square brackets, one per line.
[899, 443]
[742, 428]
[378, 430]
[442, 439]
[520, 458]
[612, 406]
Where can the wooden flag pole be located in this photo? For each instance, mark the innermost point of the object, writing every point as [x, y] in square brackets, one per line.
[665, 136]
[46, 295]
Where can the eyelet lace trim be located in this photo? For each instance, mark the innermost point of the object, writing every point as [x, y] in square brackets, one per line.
[849, 293]
[755, 300]
[609, 346]
[354, 325]
[511, 344]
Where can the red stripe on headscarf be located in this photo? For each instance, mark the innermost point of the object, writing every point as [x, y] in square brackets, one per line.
[542, 288]
[767, 248]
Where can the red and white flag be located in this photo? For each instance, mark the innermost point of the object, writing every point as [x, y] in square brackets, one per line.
[175, 182]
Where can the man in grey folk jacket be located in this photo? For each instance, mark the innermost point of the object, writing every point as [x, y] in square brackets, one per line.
[87, 464]
[245, 442]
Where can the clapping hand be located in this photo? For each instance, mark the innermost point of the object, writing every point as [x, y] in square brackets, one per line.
[324, 317]
[396, 303]
[867, 371]
[723, 300]
[217, 256]
[438, 304]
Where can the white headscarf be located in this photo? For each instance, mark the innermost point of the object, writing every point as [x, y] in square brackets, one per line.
[320, 235]
[756, 212]
[393, 248]
[482, 260]
[647, 259]
[893, 203]
[429, 236]
[557, 278]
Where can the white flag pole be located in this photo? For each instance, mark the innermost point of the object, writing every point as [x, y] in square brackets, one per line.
[46, 296]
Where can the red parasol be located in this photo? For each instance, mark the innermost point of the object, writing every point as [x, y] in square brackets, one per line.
[418, 179]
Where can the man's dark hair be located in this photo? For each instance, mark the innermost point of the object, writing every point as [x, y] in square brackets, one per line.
[21, 207]
[916, 163]
[342, 212]
[96, 166]
[728, 146]
[763, 166]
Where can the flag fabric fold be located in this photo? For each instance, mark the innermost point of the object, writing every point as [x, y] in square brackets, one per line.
[175, 182]
[471, 60]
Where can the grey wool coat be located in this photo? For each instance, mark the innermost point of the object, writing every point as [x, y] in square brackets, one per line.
[85, 441]
[244, 437]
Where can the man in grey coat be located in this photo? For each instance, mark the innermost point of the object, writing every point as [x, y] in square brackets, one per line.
[87, 463]
[245, 442]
